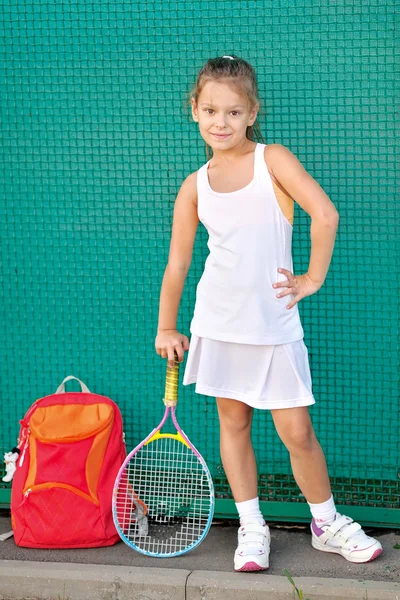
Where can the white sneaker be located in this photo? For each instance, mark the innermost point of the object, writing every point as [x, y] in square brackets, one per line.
[345, 537]
[252, 553]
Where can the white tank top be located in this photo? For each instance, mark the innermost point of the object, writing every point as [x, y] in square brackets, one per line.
[249, 239]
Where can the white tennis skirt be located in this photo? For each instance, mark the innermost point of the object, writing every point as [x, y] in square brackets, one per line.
[269, 377]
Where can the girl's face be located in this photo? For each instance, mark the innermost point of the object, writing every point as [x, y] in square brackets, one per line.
[223, 115]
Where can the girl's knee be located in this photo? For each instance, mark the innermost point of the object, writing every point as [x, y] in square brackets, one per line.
[295, 429]
[299, 439]
[234, 416]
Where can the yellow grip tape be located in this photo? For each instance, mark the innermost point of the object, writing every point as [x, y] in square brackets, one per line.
[171, 384]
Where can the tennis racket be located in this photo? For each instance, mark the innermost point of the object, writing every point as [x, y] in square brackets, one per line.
[163, 498]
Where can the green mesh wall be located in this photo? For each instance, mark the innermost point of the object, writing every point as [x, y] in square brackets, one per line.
[96, 143]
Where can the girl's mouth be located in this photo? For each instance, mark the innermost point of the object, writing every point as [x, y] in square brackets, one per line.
[221, 136]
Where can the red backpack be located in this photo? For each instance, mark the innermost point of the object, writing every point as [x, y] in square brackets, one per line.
[71, 448]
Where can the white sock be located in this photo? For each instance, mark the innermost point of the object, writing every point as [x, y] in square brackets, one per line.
[249, 512]
[324, 513]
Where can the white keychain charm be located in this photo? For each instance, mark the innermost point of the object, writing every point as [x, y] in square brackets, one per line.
[10, 458]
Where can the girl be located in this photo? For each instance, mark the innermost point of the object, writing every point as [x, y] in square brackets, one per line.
[247, 345]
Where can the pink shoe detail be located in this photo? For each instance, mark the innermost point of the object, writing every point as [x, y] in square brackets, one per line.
[252, 566]
[377, 553]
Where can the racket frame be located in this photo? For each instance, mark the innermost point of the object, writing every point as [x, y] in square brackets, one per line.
[180, 436]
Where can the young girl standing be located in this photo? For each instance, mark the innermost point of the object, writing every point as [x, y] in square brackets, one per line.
[247, 345]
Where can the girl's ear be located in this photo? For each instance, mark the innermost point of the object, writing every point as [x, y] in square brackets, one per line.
[253, 114]
[194, 110]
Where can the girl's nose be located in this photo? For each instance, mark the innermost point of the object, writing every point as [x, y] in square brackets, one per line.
[221, 122]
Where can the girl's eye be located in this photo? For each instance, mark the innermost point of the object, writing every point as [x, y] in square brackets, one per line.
[210, 111]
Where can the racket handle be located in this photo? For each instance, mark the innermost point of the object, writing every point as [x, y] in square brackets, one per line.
[171, 384]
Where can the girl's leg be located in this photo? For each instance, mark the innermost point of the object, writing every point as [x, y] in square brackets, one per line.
[252, 553]
[295, 429]
[236, 448]
[331, 532]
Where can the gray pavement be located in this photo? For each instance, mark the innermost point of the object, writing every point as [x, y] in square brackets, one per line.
[206, 573]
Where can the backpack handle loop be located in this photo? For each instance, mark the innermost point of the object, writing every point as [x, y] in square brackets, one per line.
[61, 387]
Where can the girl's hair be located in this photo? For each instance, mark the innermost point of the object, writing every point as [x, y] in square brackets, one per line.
[240, 75]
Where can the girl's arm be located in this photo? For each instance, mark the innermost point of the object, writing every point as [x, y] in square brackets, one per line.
[184, 227]
[324, 217]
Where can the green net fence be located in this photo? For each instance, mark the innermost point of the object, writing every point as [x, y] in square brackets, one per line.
[96, 142]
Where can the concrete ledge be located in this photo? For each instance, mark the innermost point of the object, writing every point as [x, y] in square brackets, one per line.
[21, 580]
[60, 581]
[206, 585]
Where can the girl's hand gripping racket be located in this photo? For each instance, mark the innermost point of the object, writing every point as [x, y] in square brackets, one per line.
[163, 498]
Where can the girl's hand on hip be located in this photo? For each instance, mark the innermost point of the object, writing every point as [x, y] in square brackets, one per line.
[298, 285]
[169, 341]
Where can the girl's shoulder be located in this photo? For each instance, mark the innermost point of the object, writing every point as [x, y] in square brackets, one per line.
[278, 157]
[188, 188]
[275, 152]
[278, 152]
[190, 181]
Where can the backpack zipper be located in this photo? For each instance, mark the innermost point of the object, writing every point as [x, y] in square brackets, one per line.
[64, 486]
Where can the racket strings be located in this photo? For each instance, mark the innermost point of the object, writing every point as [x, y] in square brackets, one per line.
[164, 498]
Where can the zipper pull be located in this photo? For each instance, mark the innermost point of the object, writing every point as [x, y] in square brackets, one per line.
[28, 491]
[21, 460]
